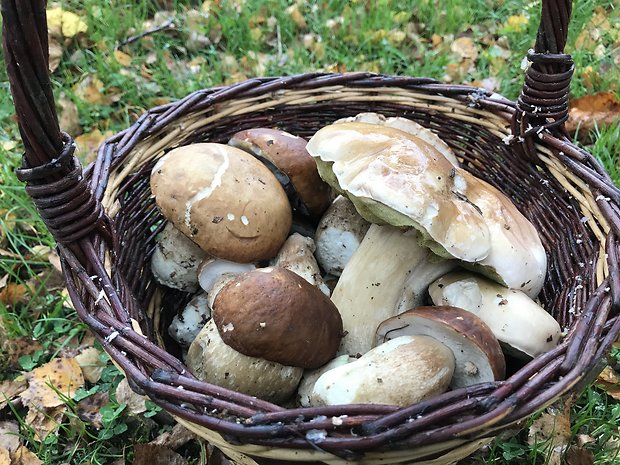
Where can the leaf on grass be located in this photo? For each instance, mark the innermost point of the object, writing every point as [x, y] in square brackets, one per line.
[14, 294]
[9, 436]
[516, 23]
[91, 364]
[609, 381]
[590, 35]
[45, 420]
[90, 90]
[89, 408]
[296, 16]
[552, 431]
[598, 109]
[69, 118]
[178, 436]
[579, 456]
[150, 454]
[122, 58]
[7, 224]
[62, 375]
[64, 22]
[88, 145]
[125, 395]
[23, 456]
[464, 48]
[9, 389]
[55, 52]
[19, 347]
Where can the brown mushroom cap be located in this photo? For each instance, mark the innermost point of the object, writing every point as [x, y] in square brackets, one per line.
[288, 153]
[479, 357]
[223, 199]
[274, 314]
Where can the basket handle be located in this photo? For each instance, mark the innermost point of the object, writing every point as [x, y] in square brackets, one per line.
[543, 103]
[53, 174]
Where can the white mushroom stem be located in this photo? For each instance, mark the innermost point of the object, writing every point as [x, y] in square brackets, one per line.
[373, 283]
[186, 325]
[338, 235]
[212, 268]
[306, 386]
[523, 328]
[297, 255]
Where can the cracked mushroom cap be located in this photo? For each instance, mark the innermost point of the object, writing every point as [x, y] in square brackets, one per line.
[224, 199]
[273, 313]
[289, 155]
[478, 355]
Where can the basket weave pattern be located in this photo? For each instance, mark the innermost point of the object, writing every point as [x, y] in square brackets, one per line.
[105, 221]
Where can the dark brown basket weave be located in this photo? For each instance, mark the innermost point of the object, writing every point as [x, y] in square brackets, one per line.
[105, 221]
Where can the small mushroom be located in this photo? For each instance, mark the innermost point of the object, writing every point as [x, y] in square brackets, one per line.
[477, 352]
[308, 380]
[389, 271]
[296, 255]
[176, 259]
[338, 235]
[523, 328]
[186, 325]
[211, 360]
[223, 199]
[286, 154]
[400, 372]
[273, 313]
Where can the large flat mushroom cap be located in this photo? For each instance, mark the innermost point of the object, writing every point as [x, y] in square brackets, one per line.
[478, 355]
[395, 178]
[273, 313]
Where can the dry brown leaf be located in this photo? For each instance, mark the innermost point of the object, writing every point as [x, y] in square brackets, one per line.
[7, 224]
[23, 456]
[125, 395]
[62, 374]
[45, 421]
[150, 454]
[491, 84]
[552, 431]
[464, 48]
[122, 58]
[9, 389]
[175, 438]
[91, 364]
[18, 346]
[69, 118]
[296, 16]
[598, 109]
[9, 436]
[579, 456]
[55, 52]
[88, 145]
[14, 294]
[5, 456]
[89, 408]
[436, 40]
[90, 89]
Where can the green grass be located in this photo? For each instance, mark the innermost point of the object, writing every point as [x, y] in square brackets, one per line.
[346, 35]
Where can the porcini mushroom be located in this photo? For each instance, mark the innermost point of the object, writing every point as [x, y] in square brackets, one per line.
[286, 154]
[223, 199]
[297, 255]
[401, 372]
[393, 177]
[523, 328]
[308, 380]
[338, 235]
[388, 271]
[176, 259]
[211, 269]
[186, 325]
[478, 355]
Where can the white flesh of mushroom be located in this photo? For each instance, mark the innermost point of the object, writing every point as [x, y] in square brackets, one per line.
[523, 328]
[212, 268]
[374, 283]
[186, 326]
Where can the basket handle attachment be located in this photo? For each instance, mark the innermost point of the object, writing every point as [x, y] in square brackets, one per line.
[543, 103]
[53, 175]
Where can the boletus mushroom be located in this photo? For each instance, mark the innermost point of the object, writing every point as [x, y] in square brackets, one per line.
[286, 155]
[186, 325]
[523, 328]
[400, 372]
[223, 199]
[477, 352]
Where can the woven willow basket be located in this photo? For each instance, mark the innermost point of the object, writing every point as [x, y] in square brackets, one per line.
[104, 220]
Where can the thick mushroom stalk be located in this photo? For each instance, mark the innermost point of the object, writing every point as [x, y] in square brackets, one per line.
[297, 255]
[523, 328]
[338, 235]
[388, 268]
[400, 372]
[187, 324]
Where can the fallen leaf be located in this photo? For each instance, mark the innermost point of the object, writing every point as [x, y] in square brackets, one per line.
[45, 420]
[13, 294]
[55, 54]
[465, 48]
[88, 145]
[122, 58]
[178, 436]
[491, 84]
[21, 346]
[590, 35]
[150, 454]
[125, 395]
[551, 431]
[8, 145]
[69, 118]
[91, 364]
[516, 23]
[90, 90]
[296, 16]
[9, 389]
[7, 224]
[5, 456]
[88, 409]
[9, 436]
[67, 23]
[579, 456]
[23, 456]
[598, 109]
[60, 374]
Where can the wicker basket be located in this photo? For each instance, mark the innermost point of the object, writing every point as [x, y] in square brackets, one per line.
[104, 220]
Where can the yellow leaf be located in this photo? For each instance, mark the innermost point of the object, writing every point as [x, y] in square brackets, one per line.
[517, 23]
[62, 375]
[8, 145]
[122, 58]
[23, 456]
[464, 48]
[45, 421]
[90, 89]
[67, 22]
[92, 367]
[5, 457]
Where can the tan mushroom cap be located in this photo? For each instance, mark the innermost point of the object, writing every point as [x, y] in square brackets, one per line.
[479, 357]
[273, 313]
[224, 199]
[288, 153]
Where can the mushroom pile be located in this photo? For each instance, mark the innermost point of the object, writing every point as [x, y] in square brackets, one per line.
[362, 266]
